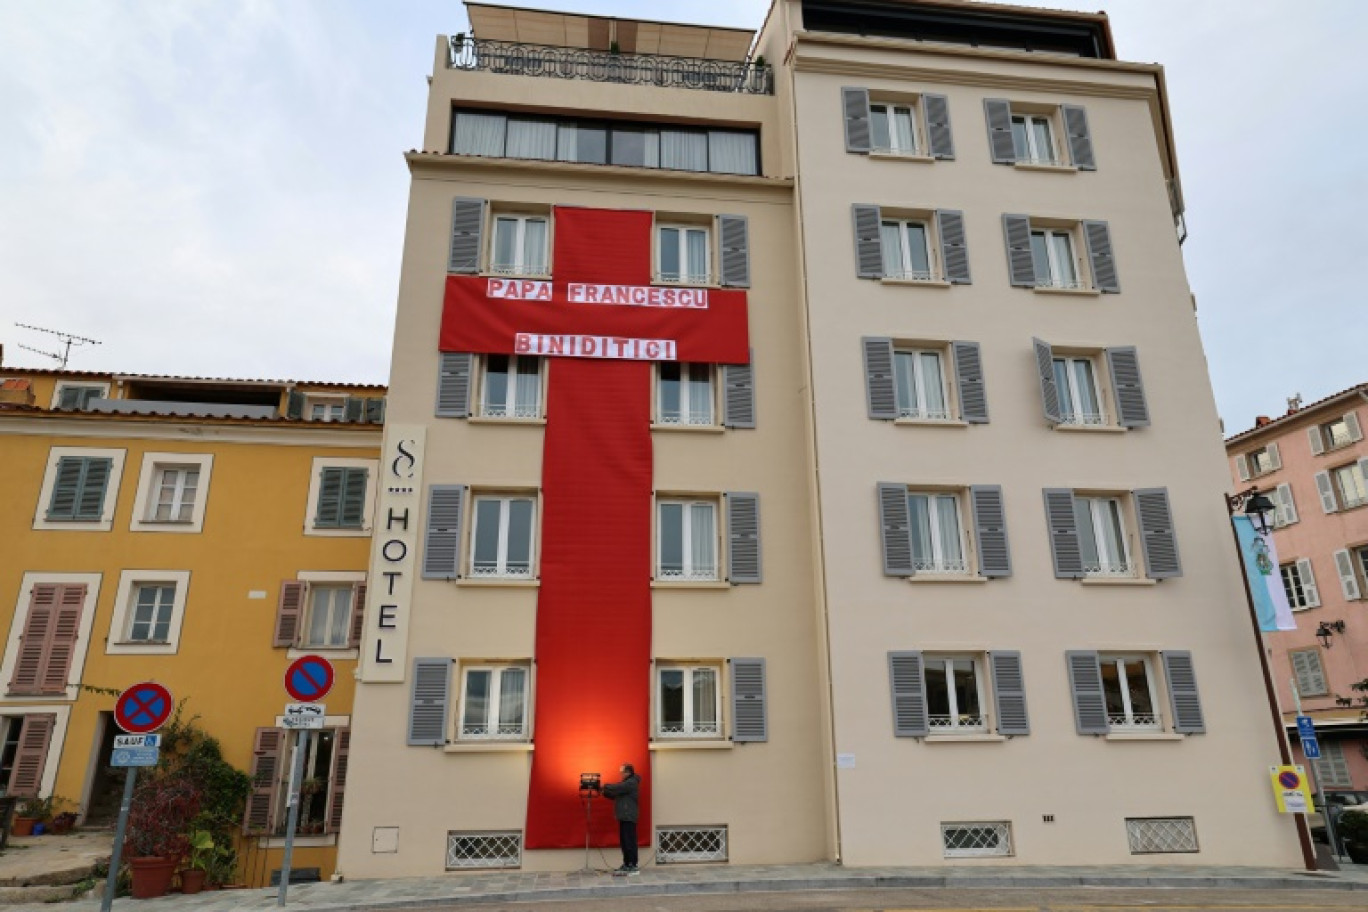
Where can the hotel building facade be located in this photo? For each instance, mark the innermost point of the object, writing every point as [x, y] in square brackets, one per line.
[816, 420]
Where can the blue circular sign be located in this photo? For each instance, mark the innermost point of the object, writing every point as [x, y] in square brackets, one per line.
[309, 678]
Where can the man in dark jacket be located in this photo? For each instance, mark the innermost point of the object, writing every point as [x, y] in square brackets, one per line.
[624, 795]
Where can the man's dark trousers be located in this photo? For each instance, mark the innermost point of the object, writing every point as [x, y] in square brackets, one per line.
[627, 838]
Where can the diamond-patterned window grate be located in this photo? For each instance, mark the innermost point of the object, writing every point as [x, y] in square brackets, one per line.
[977, 840]
[483, 850]
[691, 845]
[1161, 835]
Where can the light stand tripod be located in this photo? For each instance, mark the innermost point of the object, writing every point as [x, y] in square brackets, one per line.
[590, 785]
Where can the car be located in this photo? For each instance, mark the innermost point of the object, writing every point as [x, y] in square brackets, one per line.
[1337, 800]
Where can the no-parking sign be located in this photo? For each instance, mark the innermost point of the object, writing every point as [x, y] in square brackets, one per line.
[309, 678]
[143, 708]
[1291, 790]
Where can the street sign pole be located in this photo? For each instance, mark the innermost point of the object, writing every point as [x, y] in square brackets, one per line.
[112, 882]
[296, 772]
[1315, 768]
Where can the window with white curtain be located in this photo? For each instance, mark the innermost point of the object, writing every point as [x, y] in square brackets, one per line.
[937, 536]
[682, 254]
[520, 244]
[894, 128]
[731, 152]
[494, 701]
[953, 694]
[1079, 400]
[686, 540]
[1052, 252]
[478, 134]
[328, 625]
[684, 396]
[920, 384]
[688, 701]
[684, 150]
[531, 139]
[1128, 688]
[1350, 485]
[1032, 139]
[1102, 536]
[502, 537]
[177, 488]
[511, 387]
[906, 250]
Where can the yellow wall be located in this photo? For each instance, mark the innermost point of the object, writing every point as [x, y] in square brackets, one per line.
[252, 539]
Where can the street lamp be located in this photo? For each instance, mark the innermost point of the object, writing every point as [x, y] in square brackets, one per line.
[1257, 509]
[1328, 629]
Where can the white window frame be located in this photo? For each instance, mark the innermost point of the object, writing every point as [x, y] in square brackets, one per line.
[692, 731]
[1034, 156]
[1345, 503]
[920, 411]
[1328, 437]
[1003, 829]
[689, 574]
[1076, 418]
[1292, 581]
[496, 670]
[1107, 565]
[940, 564]
[149, 485]
[306, 621]
[1257, 460]
[685, 277]
[20, 615]
[315, 480]
[313, 578]
[955, 722]
[501, 571]
[685, 419]
[1127, 721]
[280, 817]
[106, 520]
[121, 623]
[334, 407]
[67, 384]
[906, 273]
[512, 410]
[521, 267]
[890, 109]
[1056, 280]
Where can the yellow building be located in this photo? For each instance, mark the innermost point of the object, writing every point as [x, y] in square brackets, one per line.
[197, 532]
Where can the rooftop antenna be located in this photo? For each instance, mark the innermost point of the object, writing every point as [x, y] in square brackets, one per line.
[66, 339]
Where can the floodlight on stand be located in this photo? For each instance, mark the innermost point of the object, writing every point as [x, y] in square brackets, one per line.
[590, 782]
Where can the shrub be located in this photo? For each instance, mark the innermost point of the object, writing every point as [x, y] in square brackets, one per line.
[159, 821]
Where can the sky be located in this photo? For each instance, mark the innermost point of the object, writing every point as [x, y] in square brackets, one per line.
[217, 187]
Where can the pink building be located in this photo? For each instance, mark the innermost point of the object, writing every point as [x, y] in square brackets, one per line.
[1312, 462]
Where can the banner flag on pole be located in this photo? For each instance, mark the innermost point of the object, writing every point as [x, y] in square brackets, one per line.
[1265, 579]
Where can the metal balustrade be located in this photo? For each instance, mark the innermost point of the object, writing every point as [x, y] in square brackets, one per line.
[738, 76]
[971, 840]
[484, 850]
[1157, 835]
[681, 845]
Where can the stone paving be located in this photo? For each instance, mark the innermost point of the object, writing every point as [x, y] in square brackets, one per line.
[515, 886]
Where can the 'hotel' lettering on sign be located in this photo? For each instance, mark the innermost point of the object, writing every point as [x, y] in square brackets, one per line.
[394, 558]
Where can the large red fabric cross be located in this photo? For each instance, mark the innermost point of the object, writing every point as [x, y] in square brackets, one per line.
[593, 640]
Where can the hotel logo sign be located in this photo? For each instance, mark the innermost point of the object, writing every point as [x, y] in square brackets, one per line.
[394, 555]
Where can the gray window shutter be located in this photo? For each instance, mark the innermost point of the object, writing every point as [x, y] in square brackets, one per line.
[1156, 533]
[467, 224]
[1324, 488]
[1085, 682]
[1306, 665]
[353, 506]
[954, 246]
[1009, 693]
[1049, 392]
[907, 683]
[294, 404]
[1183, 697]
[1020, 260]
[1308, 581]
[738, 400]
[1080, 140]
[353, 409]
[855, 107]
[428, 701]
[1287, 506]
[868, 245]
[895, 523]
[442, 546]
[969, 385]
[942, 141]
[880, 396]
[453, 384]
[67, 485]
[1132, 410]
[750, 716]
[990, 531]
[1098, 236]
[1242, 467]
[999, 114]
[375, 410]
[329, 507]
[743, 537]
[90, 502]
[1063, 526]
[1313, 434]
[1344, 566]
[734, 236]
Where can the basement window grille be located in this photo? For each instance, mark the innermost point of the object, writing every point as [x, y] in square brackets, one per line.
[1160, 835]
[483, 850]
[691, 845]
[977, 840]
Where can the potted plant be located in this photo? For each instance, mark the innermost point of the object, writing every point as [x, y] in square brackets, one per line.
[202, 851]
[158, 831]
[1352, 829]
[63, 823]
[30, 812]
[313, 785]
[221, 867]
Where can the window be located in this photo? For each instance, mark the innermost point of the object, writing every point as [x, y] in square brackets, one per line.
[176, 490]
[937, 539]
[341, 498]
[51, 626]
[1161, 835]
[682, 254]
[78, 494]
[150, 614]
[976, 840]
[1263, 461]
[1080, 402]
[1102, 536]
[494, 700]
[1350, 486]
[1336, 434]
[501, 849]
[329, 620]
[906, 250]
[149, 609]
[953, 700]
[520, 245]
[1332, 767]
[331, 409]
[1052, 253]
[1129, 693]
[1309, 672]
[684, 395]
[686, 540]
[894, 128]
[1332, 435]
[501, 541]
[688, 702]
[511, 387]
[1033, 140]
[172, 489]
[683, 845]
[1300, 585]
[315, 793]
[920, 389]
[78, 397]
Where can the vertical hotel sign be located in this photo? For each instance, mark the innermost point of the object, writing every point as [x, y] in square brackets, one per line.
[394, 555]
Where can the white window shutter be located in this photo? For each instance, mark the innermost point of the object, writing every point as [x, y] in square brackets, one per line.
[1242, 467]
[1308, 581]
[1327, 492]
[1344, 566]
[1313, 434]
[1287, 507]
[1274, 458]
[1352, 423]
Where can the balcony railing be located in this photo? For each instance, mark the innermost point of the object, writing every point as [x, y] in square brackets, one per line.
[739, 76]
